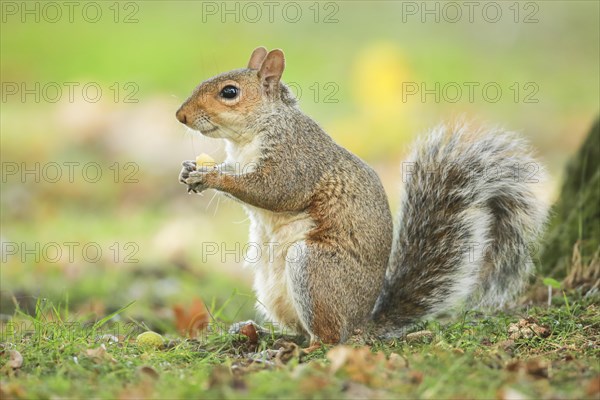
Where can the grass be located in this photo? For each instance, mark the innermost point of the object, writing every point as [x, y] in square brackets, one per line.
[65, 356]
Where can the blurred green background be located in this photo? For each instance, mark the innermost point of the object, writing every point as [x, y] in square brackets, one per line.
[351, 64]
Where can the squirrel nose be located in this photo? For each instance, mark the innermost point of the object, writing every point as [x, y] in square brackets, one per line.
[181, 116]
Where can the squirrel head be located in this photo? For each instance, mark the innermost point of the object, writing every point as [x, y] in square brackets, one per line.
[229, 104]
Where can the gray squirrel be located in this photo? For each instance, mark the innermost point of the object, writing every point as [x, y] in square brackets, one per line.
[468, 213]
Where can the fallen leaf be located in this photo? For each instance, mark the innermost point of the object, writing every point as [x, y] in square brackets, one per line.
[513, 366]
[286, 351]
[507, 345]
[100, 354]
[253, 364]
[584, 276]
[193, 320]
[313, 384]
[360, 364]
[148, 372]
[249, 330]
[223, 376]
[138, 391]
[396, 362]
[536, 368]
[526, 329]
[338, 357]
[416, 377]
[13, 390]
[593, 387]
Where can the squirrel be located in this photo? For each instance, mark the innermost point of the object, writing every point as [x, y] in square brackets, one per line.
[462, 235]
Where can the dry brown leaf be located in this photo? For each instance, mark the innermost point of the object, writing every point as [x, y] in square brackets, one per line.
[360, 364]
[396, 362]
[286, 351]
[100, 355]
[136, 392]
[10, 391]
[507, 345]
[222, 376]
[526, 329]
[338, 357]
[584, 276]
[251, 364]
[536, 368]
[249, 330]
[593, 387]
[513, 366]
[416, 377]
[313, 384]
[148, 372]
[281, 353]
[192, 320]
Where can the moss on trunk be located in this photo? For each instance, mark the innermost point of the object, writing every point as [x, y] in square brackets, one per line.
[576, 214]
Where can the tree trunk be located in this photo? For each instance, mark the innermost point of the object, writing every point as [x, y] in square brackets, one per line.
[576, 215]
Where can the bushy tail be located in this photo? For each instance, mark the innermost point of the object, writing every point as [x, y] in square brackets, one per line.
[469, 218]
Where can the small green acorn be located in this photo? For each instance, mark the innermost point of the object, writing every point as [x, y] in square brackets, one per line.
[150, 339]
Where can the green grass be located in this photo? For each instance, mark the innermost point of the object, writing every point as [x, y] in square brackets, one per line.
[472, 357]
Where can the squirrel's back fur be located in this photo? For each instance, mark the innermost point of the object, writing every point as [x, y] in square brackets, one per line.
[468, 221]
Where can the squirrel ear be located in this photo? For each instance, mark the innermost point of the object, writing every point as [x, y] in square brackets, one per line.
[257, 57]
[272, 68]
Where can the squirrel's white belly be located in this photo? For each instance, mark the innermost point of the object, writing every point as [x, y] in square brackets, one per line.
[275, 238]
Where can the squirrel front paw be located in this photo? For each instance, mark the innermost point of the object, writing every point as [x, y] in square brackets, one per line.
[191, 177]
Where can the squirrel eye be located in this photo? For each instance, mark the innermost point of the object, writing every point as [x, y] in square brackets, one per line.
[229, 92]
